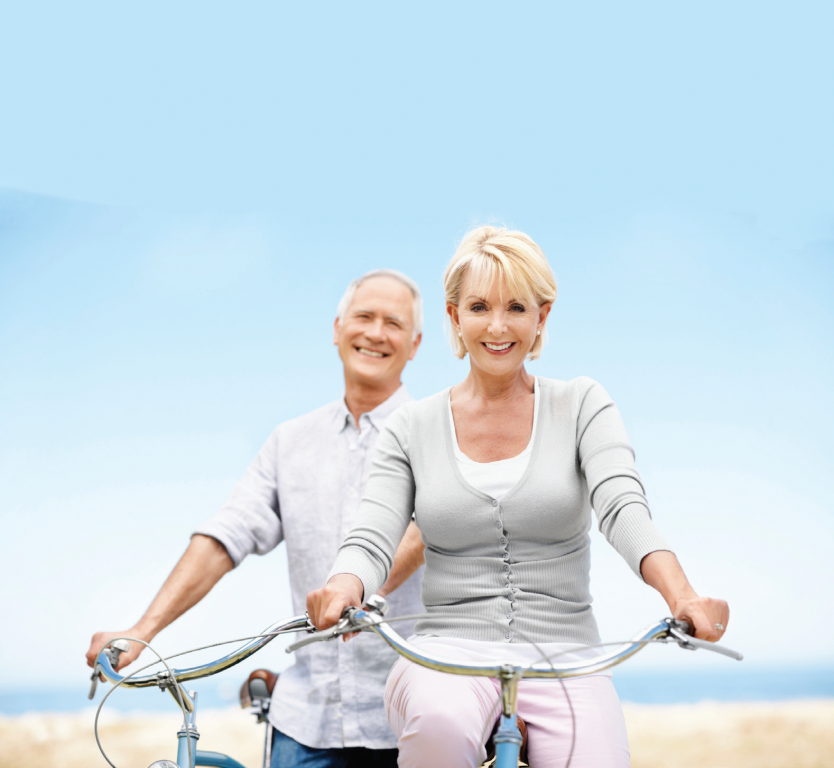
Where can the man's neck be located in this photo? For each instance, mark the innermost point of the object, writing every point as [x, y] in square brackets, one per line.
[361, 398]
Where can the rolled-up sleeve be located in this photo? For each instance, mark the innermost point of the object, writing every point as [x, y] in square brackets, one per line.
[385, 512]
[614, 485]
[250, 520]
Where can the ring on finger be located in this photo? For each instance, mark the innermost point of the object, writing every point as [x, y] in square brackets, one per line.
[719, 626]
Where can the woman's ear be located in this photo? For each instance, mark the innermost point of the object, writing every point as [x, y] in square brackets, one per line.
[454, 317]
[544, 311]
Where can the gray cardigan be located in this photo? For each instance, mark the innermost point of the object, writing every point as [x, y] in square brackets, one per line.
[522, 561]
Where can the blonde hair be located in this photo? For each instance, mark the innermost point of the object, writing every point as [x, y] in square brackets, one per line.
[496, 253]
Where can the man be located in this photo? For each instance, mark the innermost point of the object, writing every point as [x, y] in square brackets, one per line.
[304, 487]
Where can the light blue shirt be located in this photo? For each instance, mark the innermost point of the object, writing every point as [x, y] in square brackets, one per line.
[304, 488]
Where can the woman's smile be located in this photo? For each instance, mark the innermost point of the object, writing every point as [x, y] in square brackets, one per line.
[496, 348]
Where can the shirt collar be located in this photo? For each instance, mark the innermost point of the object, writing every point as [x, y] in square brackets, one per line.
[378, 415]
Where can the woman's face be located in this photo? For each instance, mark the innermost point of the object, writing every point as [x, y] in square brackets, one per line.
[498, 329]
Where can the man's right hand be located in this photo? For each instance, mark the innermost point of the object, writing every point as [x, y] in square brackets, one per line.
[100, 639]
[198, 570]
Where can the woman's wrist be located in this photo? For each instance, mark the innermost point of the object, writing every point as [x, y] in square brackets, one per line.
[348, 584]
[661, 570]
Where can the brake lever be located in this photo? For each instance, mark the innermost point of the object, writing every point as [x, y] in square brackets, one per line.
[341, 627]
[693, 643]
[96, 672]
[374, 613]
[116, 649]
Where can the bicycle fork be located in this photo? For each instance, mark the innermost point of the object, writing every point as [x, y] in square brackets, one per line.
[508, 738]
[187, 746]
[187, 736]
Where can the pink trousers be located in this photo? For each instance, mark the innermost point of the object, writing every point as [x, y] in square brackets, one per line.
[444, 720]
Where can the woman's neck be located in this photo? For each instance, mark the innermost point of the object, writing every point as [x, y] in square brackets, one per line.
[488, 387]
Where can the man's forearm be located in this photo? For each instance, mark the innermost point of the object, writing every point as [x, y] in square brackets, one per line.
[202, 565]
[410, 556]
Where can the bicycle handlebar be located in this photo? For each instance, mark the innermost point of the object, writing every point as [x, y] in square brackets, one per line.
[104, 663]
[373, 619]
[666, 630]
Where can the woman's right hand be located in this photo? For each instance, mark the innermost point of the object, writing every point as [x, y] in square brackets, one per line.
[325, 605]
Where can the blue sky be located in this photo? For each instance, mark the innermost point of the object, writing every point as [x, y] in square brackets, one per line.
[185, 192]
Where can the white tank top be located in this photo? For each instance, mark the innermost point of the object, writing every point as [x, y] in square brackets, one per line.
[495, 478]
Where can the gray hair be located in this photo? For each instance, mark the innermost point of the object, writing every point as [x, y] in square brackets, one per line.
[344, 302]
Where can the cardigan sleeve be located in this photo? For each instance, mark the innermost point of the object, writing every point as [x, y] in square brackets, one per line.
[385, 510]
[614, 485]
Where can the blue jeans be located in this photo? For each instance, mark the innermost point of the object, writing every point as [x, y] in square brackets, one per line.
[288, 753]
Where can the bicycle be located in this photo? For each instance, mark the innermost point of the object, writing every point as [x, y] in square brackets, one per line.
[371, 617]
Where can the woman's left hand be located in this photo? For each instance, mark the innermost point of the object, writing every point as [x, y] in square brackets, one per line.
[707, 616]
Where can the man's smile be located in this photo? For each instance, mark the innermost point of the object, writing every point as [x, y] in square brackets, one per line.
[370, 352]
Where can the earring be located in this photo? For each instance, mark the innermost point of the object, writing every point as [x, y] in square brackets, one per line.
[460, 334]
[538, 333]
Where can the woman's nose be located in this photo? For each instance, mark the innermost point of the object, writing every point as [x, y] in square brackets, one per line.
[497, 323]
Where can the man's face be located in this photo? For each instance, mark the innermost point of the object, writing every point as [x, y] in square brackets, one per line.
[376, 336]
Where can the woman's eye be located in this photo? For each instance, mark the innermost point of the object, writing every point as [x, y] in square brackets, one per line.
[517, 308]
[477, 308]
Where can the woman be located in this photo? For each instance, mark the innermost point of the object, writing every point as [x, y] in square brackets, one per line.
[501, 472]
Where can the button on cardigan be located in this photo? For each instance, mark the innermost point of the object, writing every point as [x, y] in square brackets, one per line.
[528, 551]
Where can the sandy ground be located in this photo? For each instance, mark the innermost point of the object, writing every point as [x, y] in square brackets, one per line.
[765, 735]
[796, 734]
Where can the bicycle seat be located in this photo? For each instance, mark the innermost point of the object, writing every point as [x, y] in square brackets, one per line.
[490, 745]
[258, 686]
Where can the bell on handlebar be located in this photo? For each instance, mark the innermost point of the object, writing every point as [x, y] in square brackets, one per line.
[377, 603]
[116, 649]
